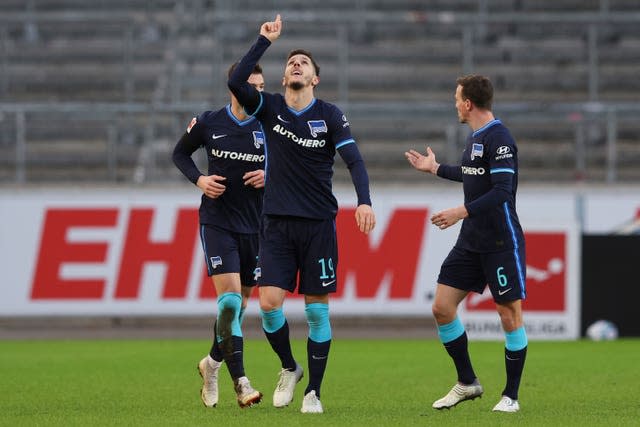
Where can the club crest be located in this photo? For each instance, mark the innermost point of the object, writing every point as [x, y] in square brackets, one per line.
[215, 261]
[317, 126]
[258, 139]
[477, 150]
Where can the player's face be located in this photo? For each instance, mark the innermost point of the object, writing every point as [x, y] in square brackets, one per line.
[462, 105]
[299, 73]
[257, 81]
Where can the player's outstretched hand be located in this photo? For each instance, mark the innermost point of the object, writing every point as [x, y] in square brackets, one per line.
[271, 29]
[365, 218]
[421, 162]
[254, 178]
[211, 186]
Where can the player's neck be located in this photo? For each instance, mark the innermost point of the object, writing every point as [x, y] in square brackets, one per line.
[480, 119]
[238, 111]
[298, 99]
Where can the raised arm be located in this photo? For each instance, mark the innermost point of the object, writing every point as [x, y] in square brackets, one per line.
[271, 29]
[246, 94]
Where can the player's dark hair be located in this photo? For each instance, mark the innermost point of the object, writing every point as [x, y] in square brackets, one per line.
[305, 53]
[256, 70]
[477, 89]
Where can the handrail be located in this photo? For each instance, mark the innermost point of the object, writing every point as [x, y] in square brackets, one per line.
[424, 15]
[368, 107]
[345, 16]
[66, 16]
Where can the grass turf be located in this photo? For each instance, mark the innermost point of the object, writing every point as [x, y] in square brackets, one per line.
[367, 383]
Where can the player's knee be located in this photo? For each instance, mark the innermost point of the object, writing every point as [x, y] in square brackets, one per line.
[272, 320]
[230, 302]
[229, 305]
[442, 313]
[270, 298]
[317, 315]
[266, 305]
[509, 323]
[510, 319]
[435, 310]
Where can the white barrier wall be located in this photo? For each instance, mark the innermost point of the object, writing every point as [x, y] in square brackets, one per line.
[137, 252]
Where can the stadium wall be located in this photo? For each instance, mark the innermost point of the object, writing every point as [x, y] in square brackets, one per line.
[136, 252]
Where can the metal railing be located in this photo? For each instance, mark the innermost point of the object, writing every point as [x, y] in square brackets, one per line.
[163, 114]
[151, 148]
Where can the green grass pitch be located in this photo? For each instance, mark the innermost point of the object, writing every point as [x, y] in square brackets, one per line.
[367, 383]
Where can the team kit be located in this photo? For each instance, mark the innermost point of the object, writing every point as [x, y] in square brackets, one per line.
[267, 221]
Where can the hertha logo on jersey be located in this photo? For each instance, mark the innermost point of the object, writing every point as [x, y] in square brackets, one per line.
[477, 150]
[215, 261]
[258, 138]
[317, 126]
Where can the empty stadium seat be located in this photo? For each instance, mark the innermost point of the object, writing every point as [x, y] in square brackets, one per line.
[175, 54]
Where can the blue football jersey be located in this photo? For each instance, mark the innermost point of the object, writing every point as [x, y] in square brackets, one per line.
[490, 180]
[233, 148]
[300, 147]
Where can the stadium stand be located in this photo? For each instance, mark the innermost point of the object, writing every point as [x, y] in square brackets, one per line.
[100, 91]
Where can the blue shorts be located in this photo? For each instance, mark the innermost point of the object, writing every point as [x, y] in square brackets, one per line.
[292, 245]
[504, 272]
[228, 252]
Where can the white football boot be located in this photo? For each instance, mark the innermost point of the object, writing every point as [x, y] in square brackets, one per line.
[311, 404]
[283, 394]
[459, 393]
[507, 404]
[208, 369]
[246, 394]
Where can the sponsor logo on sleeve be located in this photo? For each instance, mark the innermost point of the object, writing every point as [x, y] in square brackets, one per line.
[503, 152]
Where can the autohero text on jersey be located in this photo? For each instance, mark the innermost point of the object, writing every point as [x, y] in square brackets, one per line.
[472, 171]
[308, 143]
[234, 155]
